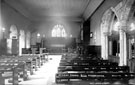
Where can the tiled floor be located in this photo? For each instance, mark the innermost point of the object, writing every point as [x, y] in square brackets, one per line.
[46, 75]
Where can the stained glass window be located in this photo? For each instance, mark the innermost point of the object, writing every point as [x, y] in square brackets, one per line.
[58, 31]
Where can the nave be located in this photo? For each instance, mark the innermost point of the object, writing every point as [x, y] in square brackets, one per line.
[30, 30]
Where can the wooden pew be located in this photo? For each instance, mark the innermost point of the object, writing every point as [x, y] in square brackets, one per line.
[24, 68]
[83, 60]
[66, 77]
[94, 68]
[27, 60]
[19, 66]
[80, 57]
[32, 58]
[28, 63]
[10, 68]
[87, 68]
[35, 60]
[87, 64]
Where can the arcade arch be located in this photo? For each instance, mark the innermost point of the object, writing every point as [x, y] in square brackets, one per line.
[116, 19]
[108, 20]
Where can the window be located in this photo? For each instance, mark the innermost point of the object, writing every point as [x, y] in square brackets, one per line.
[58, 31]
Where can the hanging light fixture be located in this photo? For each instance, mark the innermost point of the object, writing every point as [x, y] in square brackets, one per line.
[38, 35]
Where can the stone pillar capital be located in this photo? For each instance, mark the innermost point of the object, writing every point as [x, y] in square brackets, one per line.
[123, 28]
[123, 25]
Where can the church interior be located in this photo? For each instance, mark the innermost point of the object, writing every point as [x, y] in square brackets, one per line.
[67, 42]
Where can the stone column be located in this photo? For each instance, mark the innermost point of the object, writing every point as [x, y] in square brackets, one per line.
[27, 38]
[134, 45]
[121, 35]
[105, 45]
[20, 47]
[129, 47]
[129, 54]
[110, 47]
[123, 46]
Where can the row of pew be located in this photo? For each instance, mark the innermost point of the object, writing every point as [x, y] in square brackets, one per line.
[13, 68]
[74, 67]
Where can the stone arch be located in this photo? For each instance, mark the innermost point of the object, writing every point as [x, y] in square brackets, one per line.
[131, 19]
[131, 34]
[107, 20]
[127, 9]
[132, 11]
[106, 30]
[121, 11]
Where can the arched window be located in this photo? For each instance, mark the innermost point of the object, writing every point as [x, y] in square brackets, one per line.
[58, 31]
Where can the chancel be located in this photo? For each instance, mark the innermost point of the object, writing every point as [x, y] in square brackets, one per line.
[67, 42]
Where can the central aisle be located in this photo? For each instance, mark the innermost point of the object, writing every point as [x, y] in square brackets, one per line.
[46, 74]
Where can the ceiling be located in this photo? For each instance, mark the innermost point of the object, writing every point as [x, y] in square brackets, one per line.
[37, 10]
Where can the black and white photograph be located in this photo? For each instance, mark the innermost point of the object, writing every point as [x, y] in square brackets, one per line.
[67, 42]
